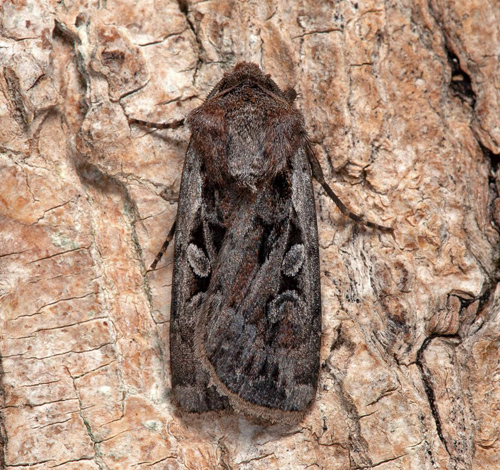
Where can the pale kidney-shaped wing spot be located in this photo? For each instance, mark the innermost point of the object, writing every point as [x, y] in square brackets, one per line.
[293, 260]
[282, 303]
[198, 260]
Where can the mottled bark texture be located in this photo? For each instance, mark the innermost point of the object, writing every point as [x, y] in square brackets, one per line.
[401, 100]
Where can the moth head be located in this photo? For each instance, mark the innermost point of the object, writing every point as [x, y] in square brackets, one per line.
[246, 74]
[246, 81]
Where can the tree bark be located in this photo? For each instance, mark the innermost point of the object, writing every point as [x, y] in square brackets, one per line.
[402, 102]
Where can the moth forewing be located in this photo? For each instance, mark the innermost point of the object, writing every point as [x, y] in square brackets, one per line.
[245, 327]
[246, 305]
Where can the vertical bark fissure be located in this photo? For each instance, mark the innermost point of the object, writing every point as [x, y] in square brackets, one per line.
[3, 430]
[93, 440]
[184, 9]
[429, 391]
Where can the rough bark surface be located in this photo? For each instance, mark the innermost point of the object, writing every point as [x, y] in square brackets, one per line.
[402, 102]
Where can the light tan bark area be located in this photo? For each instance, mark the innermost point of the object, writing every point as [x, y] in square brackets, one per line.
[402, 102]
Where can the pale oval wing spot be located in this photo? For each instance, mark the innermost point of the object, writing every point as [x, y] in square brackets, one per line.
[293, 260]
[198, 260]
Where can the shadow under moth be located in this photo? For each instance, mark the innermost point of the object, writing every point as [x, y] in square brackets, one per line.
[245, 324]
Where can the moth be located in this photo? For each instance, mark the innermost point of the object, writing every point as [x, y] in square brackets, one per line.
[245, 326]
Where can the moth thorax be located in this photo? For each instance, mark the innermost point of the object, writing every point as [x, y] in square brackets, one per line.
[247, 162]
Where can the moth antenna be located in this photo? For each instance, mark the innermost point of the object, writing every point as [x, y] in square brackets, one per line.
[169, 238]
[158, 125]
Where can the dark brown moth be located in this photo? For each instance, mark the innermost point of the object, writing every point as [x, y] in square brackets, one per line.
[246, 306]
